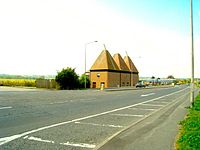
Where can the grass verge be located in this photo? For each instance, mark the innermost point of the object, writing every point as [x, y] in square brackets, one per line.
[189, 138]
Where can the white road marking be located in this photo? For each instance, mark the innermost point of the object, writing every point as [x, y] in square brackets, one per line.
[25, 137]
[8, 107]
[152, 105]
[58, 102]
[82, 100]
[84, 145]
[5, 140]
[102, 125]
[126, 115]
[87, 99]
[147, 94]
[8, 139]
[142, 109]
[39, 139]
[176, 100]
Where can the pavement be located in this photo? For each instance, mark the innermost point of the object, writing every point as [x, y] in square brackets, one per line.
[156, 132]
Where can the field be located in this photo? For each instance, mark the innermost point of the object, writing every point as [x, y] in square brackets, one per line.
[17, 82]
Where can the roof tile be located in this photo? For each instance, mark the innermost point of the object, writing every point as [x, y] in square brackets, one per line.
[120, 62]
[104, 61]
[130, 64]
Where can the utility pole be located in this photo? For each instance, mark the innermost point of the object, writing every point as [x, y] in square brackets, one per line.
[192, 56]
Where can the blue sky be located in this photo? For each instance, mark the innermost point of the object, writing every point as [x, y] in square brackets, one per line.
[44, 36]
[171, 14]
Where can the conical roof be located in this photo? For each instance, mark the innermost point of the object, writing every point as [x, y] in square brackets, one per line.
[104, 62]
[120, 62]
[130, 64]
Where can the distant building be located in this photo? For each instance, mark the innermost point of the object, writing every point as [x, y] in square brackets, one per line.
[113, 71]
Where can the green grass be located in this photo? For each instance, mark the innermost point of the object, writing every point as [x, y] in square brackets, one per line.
[190, 129]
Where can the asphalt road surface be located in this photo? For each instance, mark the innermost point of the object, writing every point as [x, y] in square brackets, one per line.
[75, 120]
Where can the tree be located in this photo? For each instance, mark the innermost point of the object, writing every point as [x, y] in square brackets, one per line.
[170, 77]
[158, 81]
[67, 79]
[153, 80]
[82, 81]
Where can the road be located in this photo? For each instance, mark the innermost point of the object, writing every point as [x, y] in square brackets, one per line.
[82, 119]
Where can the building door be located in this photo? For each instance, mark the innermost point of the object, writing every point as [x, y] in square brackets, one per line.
[94, 85]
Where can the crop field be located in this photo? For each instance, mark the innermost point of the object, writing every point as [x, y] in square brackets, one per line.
[17, 82]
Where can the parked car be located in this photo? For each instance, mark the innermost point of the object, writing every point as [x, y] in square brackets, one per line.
[140, 85]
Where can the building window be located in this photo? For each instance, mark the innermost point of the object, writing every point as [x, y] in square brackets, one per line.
[127, 83]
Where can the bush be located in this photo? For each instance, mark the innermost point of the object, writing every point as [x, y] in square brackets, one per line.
[82, 81]
[67, 79]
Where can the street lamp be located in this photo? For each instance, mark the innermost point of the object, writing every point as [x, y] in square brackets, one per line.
[85, 60]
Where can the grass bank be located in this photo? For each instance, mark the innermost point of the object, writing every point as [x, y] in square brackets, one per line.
[189, 138]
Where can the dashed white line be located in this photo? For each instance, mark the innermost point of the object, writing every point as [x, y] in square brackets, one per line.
[5, 140]
[147, 94]
[84, 145]
[39, 139]
[80, 100]
[87, 99]
[7, 107]
[102, 125]
[127, 115]
[25, 137]
[59, 102]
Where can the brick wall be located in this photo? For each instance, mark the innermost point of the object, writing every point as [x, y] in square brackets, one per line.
[113, 79]
[135, 79]
[125, 79]
[98, 78]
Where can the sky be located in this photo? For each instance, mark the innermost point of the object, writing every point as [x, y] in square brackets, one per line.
[41, 37]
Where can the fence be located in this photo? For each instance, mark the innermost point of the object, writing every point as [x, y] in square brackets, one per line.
[46, 83]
